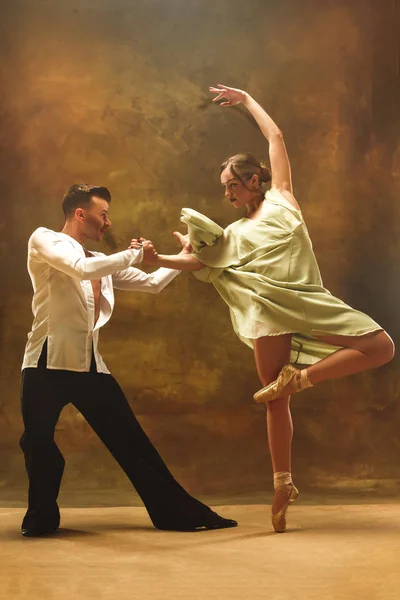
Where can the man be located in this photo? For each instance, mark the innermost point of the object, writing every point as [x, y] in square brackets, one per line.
[73, 298]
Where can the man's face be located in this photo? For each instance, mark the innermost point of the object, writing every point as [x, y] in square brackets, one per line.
[96, 219]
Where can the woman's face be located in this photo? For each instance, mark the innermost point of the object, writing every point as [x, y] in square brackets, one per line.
[235, 190]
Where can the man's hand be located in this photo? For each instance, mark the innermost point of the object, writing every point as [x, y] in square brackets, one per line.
[184, 241]
[149, 252]
[135, 244]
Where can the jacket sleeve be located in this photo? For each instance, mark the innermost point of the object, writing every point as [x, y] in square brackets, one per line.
[135, 280]
[48, 246]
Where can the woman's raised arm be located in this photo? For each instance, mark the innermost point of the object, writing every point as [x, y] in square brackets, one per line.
[280, 165]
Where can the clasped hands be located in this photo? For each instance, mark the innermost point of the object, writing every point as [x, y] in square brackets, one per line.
[150, 254]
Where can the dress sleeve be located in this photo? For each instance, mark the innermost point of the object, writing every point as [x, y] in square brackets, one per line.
[202, 230]
[212, 245]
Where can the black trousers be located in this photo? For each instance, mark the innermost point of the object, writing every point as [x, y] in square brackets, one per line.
[102, 402]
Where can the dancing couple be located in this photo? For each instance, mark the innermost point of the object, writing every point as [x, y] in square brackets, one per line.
[264, 268]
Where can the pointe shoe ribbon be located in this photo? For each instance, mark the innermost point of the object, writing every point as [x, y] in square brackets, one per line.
[287, 378]
[279, 519]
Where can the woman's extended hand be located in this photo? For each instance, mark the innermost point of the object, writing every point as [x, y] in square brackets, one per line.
[184, 241]
[232, 95]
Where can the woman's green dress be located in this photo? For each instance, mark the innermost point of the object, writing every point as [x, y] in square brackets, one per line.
[267, 273]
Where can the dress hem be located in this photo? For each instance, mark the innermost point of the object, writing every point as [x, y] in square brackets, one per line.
[313, 332]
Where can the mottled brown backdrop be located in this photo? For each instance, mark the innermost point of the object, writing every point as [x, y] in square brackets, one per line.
[114, 92]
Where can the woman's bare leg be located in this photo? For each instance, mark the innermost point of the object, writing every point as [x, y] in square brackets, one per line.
[271, 353]
[359, 353]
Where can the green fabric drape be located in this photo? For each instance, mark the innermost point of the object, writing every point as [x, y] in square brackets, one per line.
[267, 273]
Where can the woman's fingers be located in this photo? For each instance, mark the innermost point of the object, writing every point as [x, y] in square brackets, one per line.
[225, 103]
[228, 94]
[148, 249]
[182, 238]
[220, 94]
[219, 88]
[184, 241]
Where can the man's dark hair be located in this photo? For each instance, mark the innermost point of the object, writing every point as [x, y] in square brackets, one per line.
[80, 195]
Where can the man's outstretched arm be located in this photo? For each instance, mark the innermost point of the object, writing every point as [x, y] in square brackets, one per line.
[47, 246]
[135, 280]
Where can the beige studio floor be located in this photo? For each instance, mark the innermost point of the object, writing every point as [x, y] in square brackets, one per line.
[340, 551]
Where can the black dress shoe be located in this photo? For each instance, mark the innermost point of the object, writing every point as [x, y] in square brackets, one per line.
[35, 532]
[211, 521]
[216, 522]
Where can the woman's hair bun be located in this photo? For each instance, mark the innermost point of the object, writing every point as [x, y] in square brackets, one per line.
[265, 172]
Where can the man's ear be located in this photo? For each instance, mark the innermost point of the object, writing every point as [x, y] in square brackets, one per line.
[79, 214]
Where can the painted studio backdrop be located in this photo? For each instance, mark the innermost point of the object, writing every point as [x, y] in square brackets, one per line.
[114, 92]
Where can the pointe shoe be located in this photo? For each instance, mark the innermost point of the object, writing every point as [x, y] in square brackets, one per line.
[287, 378]
[279, 519]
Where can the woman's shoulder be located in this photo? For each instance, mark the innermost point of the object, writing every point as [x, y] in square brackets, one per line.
[283, 198]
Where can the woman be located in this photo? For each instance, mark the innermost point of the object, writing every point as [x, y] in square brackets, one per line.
[264, 268]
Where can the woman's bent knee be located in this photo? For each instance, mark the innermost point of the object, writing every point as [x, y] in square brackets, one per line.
[386, 348]
[378, 346]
